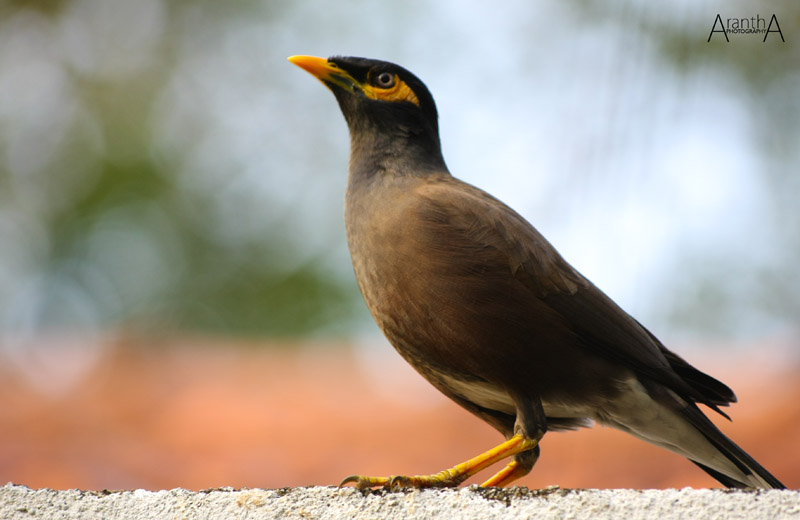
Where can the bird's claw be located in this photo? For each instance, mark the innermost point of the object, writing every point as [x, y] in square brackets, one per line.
[363, 482]
[394, 482]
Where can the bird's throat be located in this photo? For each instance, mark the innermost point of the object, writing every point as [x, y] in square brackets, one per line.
[394, 155]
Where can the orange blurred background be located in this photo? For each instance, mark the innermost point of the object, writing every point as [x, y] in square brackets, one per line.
[201, 413]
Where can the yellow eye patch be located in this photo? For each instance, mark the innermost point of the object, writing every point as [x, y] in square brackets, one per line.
[396, 93]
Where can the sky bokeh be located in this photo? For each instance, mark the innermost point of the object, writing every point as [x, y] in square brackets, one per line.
[163, 168]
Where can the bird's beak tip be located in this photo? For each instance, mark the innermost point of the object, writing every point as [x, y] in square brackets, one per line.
[295, 58]
[311, 64]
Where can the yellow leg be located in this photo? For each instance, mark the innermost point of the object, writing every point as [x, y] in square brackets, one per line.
[507, 475]
[456, 475]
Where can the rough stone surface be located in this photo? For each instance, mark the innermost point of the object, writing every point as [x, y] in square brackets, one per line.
[20, 502]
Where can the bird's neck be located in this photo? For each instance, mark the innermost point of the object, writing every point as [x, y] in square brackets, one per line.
[400, 153]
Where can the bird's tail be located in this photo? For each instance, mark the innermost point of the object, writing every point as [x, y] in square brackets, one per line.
[746, 472]
[657, 415]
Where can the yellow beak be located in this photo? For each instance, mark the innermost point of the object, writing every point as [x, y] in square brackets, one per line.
[326, 71]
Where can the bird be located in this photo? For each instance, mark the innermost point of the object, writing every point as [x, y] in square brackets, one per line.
[483, 307]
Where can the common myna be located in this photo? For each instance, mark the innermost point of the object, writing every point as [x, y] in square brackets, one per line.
[484, 308]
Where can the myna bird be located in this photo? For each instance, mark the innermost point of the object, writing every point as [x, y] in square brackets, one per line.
[486, 310]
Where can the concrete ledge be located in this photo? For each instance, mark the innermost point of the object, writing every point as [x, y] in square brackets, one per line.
[20, 502]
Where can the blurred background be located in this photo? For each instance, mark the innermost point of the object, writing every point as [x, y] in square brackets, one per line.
[177, 305]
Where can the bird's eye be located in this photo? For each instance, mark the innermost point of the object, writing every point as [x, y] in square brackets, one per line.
[385, 80]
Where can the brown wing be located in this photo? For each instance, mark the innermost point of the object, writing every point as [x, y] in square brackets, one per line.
[462, 218]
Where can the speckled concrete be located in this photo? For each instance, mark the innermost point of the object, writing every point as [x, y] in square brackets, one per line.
[20, 502]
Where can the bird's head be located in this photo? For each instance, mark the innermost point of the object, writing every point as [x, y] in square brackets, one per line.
[386, 106]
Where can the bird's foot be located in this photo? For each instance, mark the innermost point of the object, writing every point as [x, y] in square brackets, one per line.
[446, 478]
[456, 475]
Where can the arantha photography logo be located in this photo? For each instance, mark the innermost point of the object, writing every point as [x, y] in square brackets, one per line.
[753, 25]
